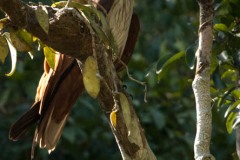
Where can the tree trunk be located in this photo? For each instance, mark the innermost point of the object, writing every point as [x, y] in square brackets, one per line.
[201, 83]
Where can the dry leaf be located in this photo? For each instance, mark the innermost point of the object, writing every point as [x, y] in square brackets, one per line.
[90, 80]
[42, 17]
[113, 119]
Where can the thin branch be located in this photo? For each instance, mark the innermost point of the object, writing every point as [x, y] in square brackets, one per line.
[201, 83]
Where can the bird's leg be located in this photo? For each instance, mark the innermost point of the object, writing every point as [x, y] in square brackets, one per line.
[135, 80]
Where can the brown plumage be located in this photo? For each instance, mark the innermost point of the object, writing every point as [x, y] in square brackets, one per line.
[57, 92]
[60, 87]
[130, 44]
[119, 18]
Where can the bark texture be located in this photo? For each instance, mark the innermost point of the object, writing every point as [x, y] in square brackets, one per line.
[201, 83]
[69, 35]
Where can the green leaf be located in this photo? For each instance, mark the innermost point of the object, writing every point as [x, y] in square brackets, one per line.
[221, 27]
[90, 80]
[107, 30]
[13, 53]
[224, 97]
[18, 42]
[236, 94]
[228, 74]
[104, 32]
[229, 122]
[190, 55]
[4, 50]
[167, 65]
[27, 37]
[50, 56]
[231, 108]
[236, 122]
[42, 17]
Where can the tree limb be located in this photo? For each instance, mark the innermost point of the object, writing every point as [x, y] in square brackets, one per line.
[65, 29]
[68, 34]
[201, 83]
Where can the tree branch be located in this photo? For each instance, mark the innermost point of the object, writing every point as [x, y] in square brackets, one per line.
[64, 28]
[68, 34]
[201, 83]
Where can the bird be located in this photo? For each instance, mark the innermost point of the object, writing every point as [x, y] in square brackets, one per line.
[59, 88]
[57, 91]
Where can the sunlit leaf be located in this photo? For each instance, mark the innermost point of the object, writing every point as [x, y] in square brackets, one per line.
[229, 122]
[4, 50]
[236, 94]
[13, 53]
[125, 110]
[231, 108]
[221, 27]
[228, 74]
[27, 37]
[161, 61]
[18, 42]
[113, 119]
[42, 17]
[236, 122]
[90, 79]
[50, 56]
[161, 72]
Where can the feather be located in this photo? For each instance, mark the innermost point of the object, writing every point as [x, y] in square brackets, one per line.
[24, 123]
[57, 91]
[64, 95]
[130, 44]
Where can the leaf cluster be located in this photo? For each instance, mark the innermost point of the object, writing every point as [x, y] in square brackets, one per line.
[226, 62]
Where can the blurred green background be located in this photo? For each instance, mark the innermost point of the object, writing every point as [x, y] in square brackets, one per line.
[167, 27]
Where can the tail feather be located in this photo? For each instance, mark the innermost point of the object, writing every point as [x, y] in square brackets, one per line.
[26, 121]
[57, 92]
[64, 95]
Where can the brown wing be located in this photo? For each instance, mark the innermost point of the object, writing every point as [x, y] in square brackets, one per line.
[130, 44]
[57, 92]
[21, 126]
[32, 116]
[56, 110]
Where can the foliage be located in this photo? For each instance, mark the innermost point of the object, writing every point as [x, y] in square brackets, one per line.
[225, 69]
[168, 29]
